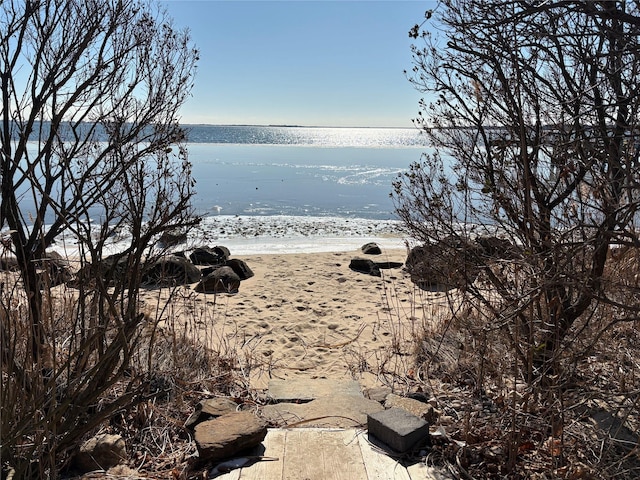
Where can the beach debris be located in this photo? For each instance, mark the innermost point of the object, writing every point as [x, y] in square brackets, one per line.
[371, 248]
[221, 280]
[170, 270]
[364, 265]
[225, 436]
[208, 409]
[209, 256]
[100, 453]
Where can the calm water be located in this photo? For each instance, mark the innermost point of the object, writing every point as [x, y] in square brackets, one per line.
[342, 172]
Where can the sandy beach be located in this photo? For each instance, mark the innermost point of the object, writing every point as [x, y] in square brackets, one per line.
[309, 314]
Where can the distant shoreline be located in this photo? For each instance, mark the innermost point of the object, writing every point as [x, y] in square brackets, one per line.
[292, 126]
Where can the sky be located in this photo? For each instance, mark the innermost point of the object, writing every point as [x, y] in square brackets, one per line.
[316, 63]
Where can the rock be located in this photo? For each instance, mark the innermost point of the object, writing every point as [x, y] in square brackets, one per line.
[54, 258]
[222, 251]
[170, 270]
[240, 267]
[111, 270]
[371, 249]
[379, 394]
[415, 407]
[364, 265]
[101, 453]
[388, 265]
[221, 280]
[209, 256]
[343, 411]
[495, 247]
[171, 238]
[55, 270]
[208, 409]
[449, 263]
[9, 263]
[228, 435]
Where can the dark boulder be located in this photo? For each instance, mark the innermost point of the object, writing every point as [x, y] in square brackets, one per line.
[371, 248]
[170, 270]
[172, 238]
[364, 265]
[449, 263]
[495, 247]
[9, 263]
[221, 280]
[240, 267]
[54, 270]
[388, 265]
[209, 256]
[109, 270]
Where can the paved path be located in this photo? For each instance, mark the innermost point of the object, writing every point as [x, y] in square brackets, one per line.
[341, 449]
[327, 454]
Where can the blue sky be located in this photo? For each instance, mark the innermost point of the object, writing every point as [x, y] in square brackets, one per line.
[326, 63]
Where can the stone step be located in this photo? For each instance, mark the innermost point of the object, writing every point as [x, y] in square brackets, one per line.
[346, 411]
[304, 389]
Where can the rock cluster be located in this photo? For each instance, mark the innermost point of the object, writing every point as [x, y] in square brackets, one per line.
[209, 267]
[368, 266]
[221, 430]
[455, 262]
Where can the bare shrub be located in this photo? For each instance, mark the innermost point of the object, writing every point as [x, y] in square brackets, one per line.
[92, 152]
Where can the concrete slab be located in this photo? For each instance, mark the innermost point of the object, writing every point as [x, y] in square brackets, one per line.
[305, 390]
[344, 411]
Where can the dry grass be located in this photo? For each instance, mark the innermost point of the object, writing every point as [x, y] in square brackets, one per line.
[148, 385]
[582, 423]
[491, 424]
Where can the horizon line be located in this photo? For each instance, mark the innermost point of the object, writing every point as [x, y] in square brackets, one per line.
[284, 125]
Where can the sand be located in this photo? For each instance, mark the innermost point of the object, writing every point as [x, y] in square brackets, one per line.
[309, 314]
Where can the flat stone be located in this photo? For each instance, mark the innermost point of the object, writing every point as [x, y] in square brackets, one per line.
[305, 390]
[398, 428]
[101, 453]
[210, 408]
[228, 435]
[379, 394]
[344, 411]
[415, 407]
[364, 265]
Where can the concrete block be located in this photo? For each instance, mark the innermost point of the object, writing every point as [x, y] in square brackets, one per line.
[398, 428]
